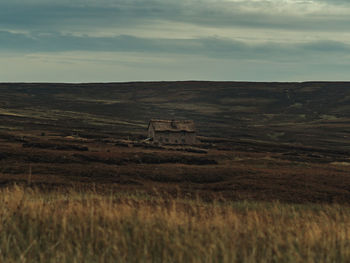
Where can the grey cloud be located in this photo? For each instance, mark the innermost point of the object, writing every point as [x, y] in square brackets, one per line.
[210, 47]
[326, 46]
[99, 14]
[46, 23]
[52, 15]
[334, 2]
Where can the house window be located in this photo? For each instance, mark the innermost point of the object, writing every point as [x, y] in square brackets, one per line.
[161, 139]
[183, 140]
[167, 140]
[175, 141]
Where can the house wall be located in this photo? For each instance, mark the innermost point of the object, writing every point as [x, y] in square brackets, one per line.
[150, 132]
[174, 137]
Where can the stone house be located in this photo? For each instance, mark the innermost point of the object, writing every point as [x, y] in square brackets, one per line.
[172, 131]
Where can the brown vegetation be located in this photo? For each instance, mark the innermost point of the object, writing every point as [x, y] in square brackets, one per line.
[259, 141]
[78, 182]
[75, 226]
[234, 171]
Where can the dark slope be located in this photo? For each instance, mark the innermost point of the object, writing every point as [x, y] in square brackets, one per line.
[311, 113]
[261, 141]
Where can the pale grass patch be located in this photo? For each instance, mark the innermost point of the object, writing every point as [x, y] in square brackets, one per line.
[90, 227]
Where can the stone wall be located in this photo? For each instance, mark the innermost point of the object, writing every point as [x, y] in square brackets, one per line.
[175, 137]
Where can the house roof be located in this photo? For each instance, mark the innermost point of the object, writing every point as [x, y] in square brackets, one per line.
[172, 125]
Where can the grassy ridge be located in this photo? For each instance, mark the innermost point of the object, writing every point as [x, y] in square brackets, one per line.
[88, 227]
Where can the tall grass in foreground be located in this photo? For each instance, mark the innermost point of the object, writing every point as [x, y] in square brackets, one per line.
[78, 227]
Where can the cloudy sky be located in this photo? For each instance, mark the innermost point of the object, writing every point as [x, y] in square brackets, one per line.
[130, 40]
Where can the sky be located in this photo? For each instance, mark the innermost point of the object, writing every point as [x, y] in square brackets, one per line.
[156, 40]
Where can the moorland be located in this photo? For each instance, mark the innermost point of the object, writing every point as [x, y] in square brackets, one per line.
[256, 141]
[268, 180]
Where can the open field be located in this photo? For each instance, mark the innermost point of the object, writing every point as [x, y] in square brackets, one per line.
[85, 226]
[314, 114]
[232, 170]
[268, 180]
[258, 141]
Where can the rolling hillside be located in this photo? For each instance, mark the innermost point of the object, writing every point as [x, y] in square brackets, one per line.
[313, 113]
[258, 141]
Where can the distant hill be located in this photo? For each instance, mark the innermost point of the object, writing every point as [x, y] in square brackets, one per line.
[309, 113]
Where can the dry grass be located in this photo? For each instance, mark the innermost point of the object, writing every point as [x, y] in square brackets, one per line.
[88, 227]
